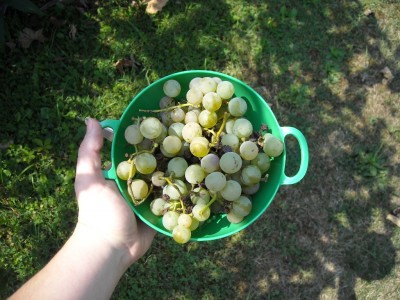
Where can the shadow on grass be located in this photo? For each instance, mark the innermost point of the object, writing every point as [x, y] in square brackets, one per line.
[317, 63]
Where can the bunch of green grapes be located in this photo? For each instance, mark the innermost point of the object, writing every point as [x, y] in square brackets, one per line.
[197, 157]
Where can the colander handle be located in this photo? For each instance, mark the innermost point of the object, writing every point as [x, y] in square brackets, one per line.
[303, 155]
[113, 124]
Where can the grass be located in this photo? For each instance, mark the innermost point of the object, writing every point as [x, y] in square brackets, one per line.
[317, 63]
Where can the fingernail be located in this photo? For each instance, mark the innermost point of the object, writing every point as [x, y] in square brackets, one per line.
[87, 120]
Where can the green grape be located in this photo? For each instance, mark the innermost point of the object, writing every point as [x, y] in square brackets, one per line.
[242, 206]
[133, 135]
[272, 145]
[231, 140]
[172, 88]
[165, 153]
[195, 83]
[230, 162]
[215, 181]
[181, 234]
[248, 150]
[231, 191]
[163, 134]
[124, 168]
[185, 220]
[217, 80]
[178, 166]
[250, 175]
[176, 129]
[237, 107]
[229, 125]
[208, 119]
[174, 191]
[194, 174]
[201, 212]
[151, 128]
[194, 96]
[199, 146]
[172, 144]
[262, 161]
[191, 116]
[242, 128]
[145, 163]
[170, 220]
[166, 102]
[157, 178]
[251, 189]
[190, 131]
[139, 189]
[194, 225]
[207, 84]
[177, 114]
[225, 89]
[210, 163]
[166, 118]
[211, 101]
[233, 218]
[200, 195]
[157, 206]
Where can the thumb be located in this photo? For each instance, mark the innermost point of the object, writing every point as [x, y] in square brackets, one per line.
[89, 161]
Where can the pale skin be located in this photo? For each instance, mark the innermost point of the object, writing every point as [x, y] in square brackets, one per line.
[106, 241]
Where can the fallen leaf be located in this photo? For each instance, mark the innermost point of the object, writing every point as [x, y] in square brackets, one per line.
[72, 31]
[154, 6]
[27, 36]
[126, 63]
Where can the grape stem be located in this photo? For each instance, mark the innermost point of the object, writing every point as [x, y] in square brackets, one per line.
[155, 145]
[167, 108]
[215, 137]
[215, 197]
[169, 180]
[134, 200]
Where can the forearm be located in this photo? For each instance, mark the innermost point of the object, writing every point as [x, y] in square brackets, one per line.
[83, 269]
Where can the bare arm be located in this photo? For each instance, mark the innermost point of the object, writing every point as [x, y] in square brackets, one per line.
[105, 242]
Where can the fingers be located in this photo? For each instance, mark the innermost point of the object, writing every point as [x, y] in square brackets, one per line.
[89, 161]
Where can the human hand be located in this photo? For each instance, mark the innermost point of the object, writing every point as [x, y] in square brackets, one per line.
[103, 213]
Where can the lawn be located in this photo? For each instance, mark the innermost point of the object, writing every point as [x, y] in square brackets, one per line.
[328, 68]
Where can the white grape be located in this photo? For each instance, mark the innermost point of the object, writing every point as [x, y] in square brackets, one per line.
[157, 178]
[233, 218]
[272, 145]
[250, 175]
[124, 168]
[174, 191]
[177, 114]
[195, 83]
[262, 161]
[210, 163]
[231, 191]
[237, 107]
[157, 206]
[166, 102]
[229, 125]
[151, 128]
[181, 234]
[211, 101]
[139, 189]
[201, 212]
[200, 195]
[230, 162]
[172, 144]
[178, 166]
[217, 80]
[133, 135]
[185, 220]
[242, 206]
[166, 118]
[170, 220]
[162, 135]
[207, 84]
[191, 116]
[225, 89]
[242, 128]
[215, 181]
[230, 140]
[251, 189]
[248, 150]
[194, 174]
[172, 88]
[190, 131]
[199, 146]
[176, 129]
[194, 96]
[145, 163]
[207, 118]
